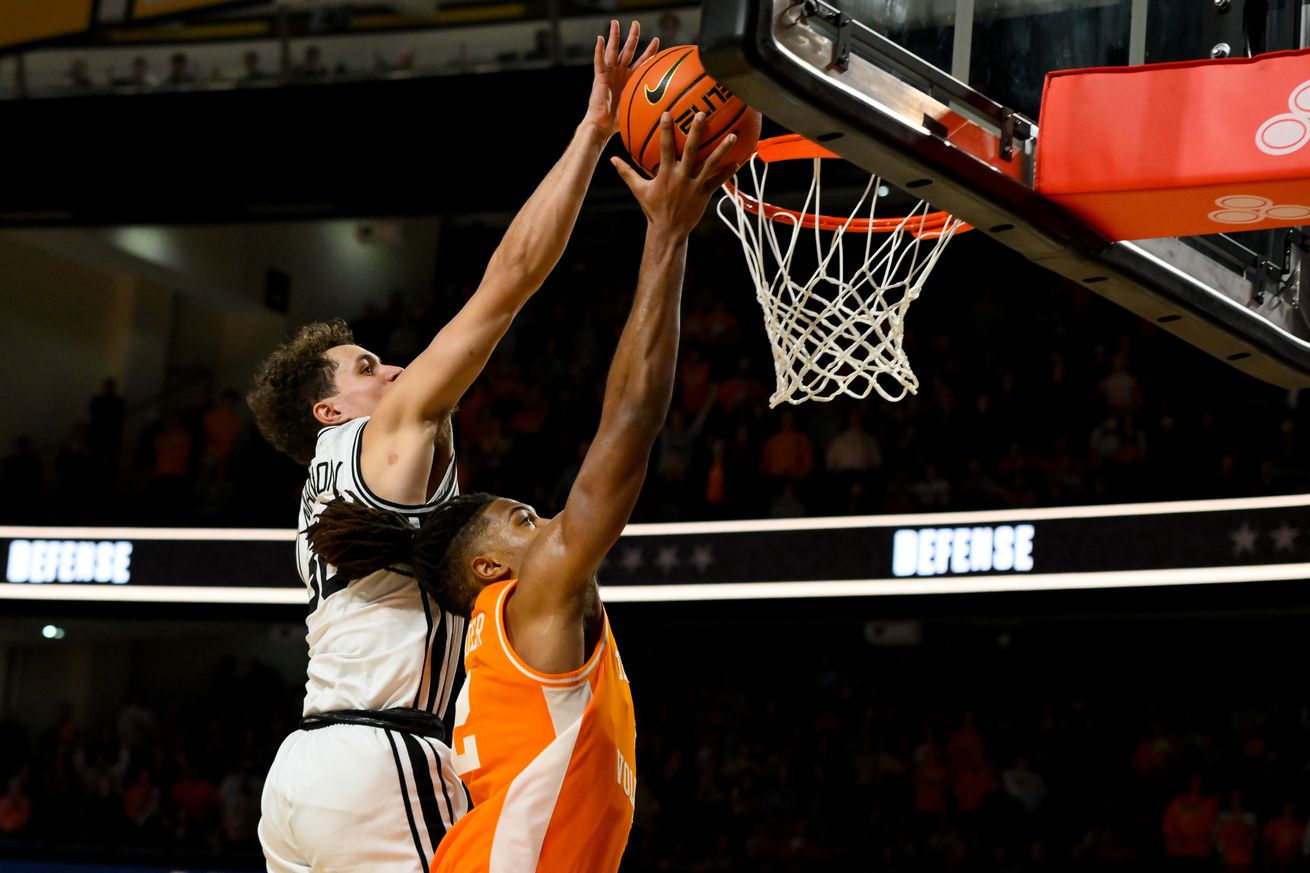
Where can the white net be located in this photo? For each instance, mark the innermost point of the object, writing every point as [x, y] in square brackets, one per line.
[840, 329]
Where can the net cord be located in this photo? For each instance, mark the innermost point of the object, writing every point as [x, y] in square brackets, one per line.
[832, 334]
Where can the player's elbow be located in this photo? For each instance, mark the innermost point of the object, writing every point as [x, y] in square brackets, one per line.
[642, 414]
[519, 260]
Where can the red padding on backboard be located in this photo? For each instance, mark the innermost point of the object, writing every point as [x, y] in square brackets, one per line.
[1179, 149]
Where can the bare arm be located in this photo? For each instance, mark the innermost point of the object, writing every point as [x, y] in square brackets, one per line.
[546, 612]
[413, 417]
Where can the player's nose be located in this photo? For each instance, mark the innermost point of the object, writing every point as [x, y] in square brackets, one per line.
[393, 372]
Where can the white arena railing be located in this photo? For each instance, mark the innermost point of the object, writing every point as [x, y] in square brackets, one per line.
[1201, 542]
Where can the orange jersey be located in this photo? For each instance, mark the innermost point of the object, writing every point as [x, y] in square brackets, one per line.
[549, 760]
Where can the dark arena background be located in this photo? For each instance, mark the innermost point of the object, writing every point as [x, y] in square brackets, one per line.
[1047, 614]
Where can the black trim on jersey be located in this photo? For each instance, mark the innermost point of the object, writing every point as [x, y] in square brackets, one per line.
[426, 791]
[441, 777]
[404, 795]
[448, 716]
[427, 655]
[438, 692]
[440, 496]
[455, 668]
[439, 648]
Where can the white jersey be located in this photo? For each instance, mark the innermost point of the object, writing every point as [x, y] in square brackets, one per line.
[347, 797]
[379, 642]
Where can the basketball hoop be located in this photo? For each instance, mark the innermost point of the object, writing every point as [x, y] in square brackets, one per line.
[839, 330]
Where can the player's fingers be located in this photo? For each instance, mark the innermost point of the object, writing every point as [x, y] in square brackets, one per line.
[626, 173]
[668, 152]
[714, 163]
[692, 145]
[612, 45]
[598, 61]
[725, 172]
[630, 46]
[649, 52]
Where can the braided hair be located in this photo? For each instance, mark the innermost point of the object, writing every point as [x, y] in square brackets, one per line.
[359, 540]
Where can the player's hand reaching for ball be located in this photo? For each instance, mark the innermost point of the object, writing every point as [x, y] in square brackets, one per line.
[676, 198]
[613, 65]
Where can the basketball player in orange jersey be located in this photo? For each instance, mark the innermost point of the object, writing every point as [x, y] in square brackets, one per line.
[366, 783]
[544, 727]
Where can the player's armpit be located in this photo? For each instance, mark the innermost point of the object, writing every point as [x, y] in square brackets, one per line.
[407, 463]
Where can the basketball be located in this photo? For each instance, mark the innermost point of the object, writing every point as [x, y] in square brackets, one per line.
[674, 81]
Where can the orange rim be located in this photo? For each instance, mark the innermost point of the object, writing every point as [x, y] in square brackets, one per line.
[792, 147]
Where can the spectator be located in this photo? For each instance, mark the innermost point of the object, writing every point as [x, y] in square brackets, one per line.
[1155, 755]
[74, 468]
[787, 504]
[221, 424]
[1122, 393]
[179, 71]
[171, 468]
[107, 413]
[251, 68]
[1025, 786]
[239, 806]
[79, 76]
[141, 803]
[196, 796]
[720, 327]
[854, 452]
[543, 46]
[670, 30]
[789, 453]
[931, 492]
[66, 733]
[1188, 827]
[15, 807]
[1282, 840]
[930, 779]
[677, 442]
[716, 478]
[312, 66]
[965, 746]
[740, 391]
[142, 79]
[693, 381]
[971, 784]
[1235, 836]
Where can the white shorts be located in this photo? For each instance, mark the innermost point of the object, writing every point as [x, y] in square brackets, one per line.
[352, 798]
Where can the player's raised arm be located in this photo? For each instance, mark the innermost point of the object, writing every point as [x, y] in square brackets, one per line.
[558, 570]
[432, 385]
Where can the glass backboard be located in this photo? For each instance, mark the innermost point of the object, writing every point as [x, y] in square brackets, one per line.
[873, 80]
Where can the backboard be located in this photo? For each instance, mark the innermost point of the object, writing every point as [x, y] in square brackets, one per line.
[941, 98]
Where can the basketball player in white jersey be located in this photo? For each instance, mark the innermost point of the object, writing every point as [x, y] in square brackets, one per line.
[366, 783]
[546, 734]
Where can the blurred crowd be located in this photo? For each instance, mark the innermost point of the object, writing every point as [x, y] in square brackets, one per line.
[180, 780]
[183, 73]
[973, 750]
[266, 63]
[1033, 392]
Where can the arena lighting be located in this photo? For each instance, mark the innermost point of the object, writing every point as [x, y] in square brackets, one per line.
[52, 632]
[1264, 539]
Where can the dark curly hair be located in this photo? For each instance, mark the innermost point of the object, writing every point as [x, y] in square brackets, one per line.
[290, 381]
[359, 540]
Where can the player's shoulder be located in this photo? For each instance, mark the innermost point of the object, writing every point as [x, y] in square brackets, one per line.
[339, 440]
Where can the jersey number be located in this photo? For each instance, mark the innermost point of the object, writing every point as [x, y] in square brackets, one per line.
[465, 747]
[324, 585]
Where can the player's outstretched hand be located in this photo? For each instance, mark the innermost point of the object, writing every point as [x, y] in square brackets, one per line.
[676, 198]
[613, 64]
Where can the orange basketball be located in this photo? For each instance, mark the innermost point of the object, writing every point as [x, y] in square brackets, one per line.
[674, 81]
